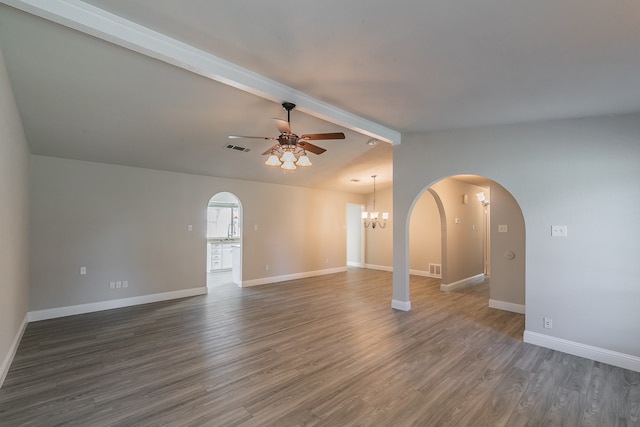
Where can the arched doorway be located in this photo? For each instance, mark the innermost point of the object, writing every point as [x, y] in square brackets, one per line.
[458, 232]
[224, 240]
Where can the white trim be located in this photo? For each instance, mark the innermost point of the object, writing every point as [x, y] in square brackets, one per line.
[106, 26]
[464, 283]
[294, 276]
[424, 273]
[6, 363]
[71, 310]
[401, 305]
[506, 306]
[622, 360]
[378, 267]
[355, 264]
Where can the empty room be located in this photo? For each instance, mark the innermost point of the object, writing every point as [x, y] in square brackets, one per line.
[319, 213]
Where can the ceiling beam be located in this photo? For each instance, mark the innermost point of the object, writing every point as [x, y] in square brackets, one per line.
[99, 23]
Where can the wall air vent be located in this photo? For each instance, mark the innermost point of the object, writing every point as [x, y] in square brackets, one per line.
[238, 148]
[435, 270]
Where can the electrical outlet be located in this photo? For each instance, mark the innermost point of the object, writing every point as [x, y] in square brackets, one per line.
[83, 271]
[112, 285]
[118, 284]
[266, 267]
[558, 231]
[125, 283]
[548, 323]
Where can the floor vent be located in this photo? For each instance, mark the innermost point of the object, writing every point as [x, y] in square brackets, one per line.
[238, 148]
[435, 270]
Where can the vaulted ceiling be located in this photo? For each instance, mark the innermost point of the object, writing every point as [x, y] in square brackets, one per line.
[365, 68]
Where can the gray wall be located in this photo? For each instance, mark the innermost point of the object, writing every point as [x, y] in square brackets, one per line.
[582, 173]
[124, 223]
[507, 275]
[14, 223]
[425, 236]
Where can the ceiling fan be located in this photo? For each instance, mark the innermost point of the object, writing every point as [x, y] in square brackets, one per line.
[291, 149]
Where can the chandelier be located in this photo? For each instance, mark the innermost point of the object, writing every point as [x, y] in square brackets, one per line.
[371, 218]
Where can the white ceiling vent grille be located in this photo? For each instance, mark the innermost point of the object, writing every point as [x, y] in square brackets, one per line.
[238, 148]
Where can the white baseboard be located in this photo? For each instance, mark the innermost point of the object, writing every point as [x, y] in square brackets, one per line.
[6, 363]
[378, 267]
[354, 264]
[401, 305]
[469, 281]
[614, 358]
[424, 273]
[303, 275]
[71, 310]
[506, 306]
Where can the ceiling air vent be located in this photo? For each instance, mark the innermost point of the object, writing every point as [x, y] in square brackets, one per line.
[238, 148]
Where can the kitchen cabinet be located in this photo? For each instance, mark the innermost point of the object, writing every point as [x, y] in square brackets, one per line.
[220, 256]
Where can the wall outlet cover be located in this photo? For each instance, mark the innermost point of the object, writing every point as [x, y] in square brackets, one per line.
[558, 231]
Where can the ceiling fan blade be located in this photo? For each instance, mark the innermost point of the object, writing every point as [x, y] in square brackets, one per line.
[307, 146]
[253, 137]
[319, 136]
[272, 149]
[283, 126]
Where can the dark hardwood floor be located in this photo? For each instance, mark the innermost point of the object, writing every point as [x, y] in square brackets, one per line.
[323, 351]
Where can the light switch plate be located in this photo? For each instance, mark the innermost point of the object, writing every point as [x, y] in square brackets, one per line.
[503, 228]
[558, 231]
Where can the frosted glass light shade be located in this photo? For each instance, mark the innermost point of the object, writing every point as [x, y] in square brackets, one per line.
[288, 156]
[385, 215]
[272, 160]
[374, 215]
[304, 161]
[288, 165]
[365, 215]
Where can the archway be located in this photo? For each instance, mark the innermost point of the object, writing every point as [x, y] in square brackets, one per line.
[224, 240]
[463, 233]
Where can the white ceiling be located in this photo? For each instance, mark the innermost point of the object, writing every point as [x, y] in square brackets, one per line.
[410, 66]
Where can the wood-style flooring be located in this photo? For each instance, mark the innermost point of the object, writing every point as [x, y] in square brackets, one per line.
[326, 351]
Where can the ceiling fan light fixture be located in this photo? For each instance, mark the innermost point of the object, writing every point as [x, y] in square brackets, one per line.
[291, 148]
[288, 156]
[288, 166]
[273, 160]
[304, 160]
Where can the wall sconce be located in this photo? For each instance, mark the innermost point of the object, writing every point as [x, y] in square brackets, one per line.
[482, 199]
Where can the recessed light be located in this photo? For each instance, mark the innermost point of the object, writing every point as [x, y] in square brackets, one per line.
[372, 141]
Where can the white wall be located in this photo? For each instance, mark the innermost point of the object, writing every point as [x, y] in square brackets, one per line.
[379, 241]
[14, 224]
[355, 236]
[582, 173]
[461, 231]
[124, 223]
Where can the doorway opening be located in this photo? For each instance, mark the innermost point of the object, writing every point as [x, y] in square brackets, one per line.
[456, 224]
[355, 236]
[224, 240]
